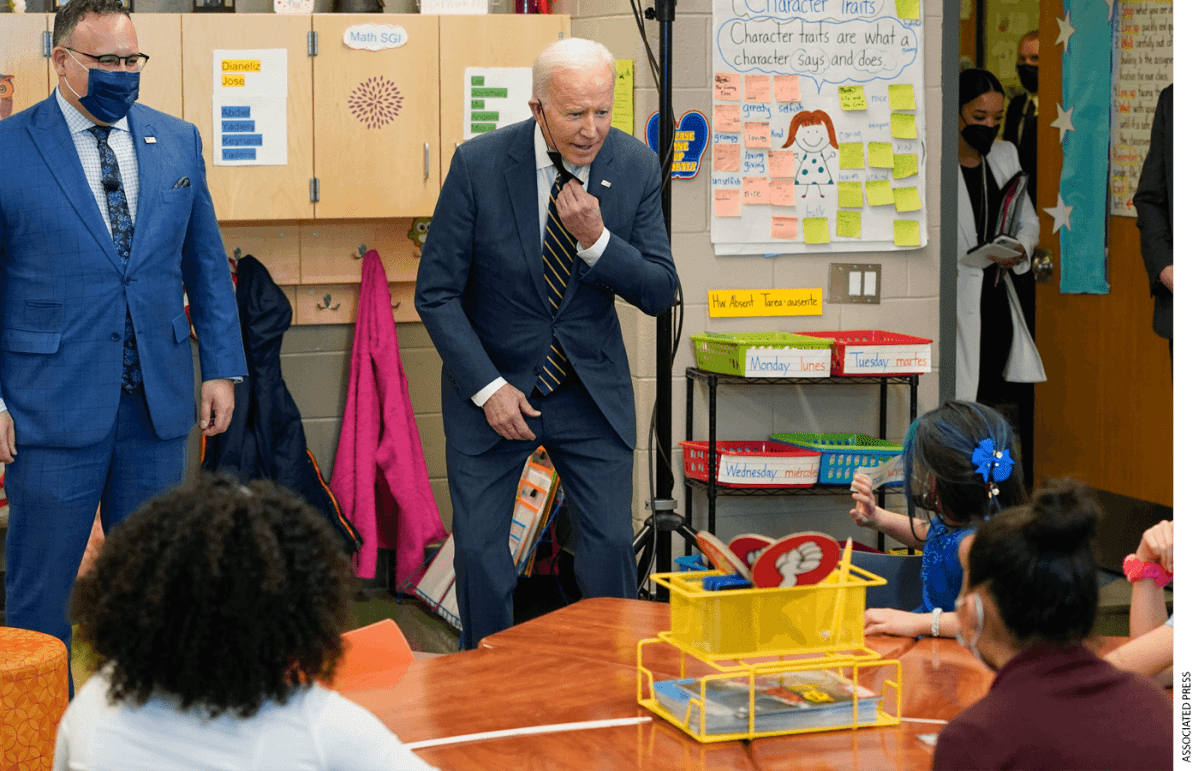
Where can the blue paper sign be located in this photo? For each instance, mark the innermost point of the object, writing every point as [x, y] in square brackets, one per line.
[690, 142]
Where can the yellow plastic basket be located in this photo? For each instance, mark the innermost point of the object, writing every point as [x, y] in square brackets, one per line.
[742, 623]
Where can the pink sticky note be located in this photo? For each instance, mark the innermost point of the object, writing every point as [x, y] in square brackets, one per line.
[781, 163]
[726, 157]
[757, 88]
[728, 202]
[728, 118]
[784, 227]
[726, 87]
[755, 190]
[782, 192]
[757, 135]
[786, 88]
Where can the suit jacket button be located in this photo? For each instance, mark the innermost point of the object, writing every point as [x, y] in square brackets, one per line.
[115, 336]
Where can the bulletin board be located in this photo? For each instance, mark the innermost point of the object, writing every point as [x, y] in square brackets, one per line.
[819, 140]
[1144, 66]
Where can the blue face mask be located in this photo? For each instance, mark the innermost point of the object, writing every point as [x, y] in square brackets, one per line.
[110, 94]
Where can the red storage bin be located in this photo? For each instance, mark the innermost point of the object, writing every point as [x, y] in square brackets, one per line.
[874, 352]
[753, 463]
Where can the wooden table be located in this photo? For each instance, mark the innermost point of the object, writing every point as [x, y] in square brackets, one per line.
[579, 664]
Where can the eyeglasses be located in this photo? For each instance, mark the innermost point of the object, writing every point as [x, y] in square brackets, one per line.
[135, 61]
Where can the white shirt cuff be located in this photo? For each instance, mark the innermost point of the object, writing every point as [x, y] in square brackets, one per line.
[488, 391]
[2, 407]
[597, 249]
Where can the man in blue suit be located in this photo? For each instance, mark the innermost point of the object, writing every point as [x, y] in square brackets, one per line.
[105, 220]
[539, 227]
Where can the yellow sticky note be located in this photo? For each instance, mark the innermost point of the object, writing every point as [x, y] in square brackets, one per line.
[905, 165]
[903, 125]
[907, 233]
[878, 192]
[849, 195]
[815, 230]
[784, 227]
[902, 96]
[852, 97]
[851, 156]
[849, 224]
[908, 9]
[907, 199]
[881, 155]
[622, 101]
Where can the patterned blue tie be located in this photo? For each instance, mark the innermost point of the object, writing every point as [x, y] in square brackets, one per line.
[558, 254]
[122, 237]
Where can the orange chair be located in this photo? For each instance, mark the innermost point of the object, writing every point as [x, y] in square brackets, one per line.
[375, 656]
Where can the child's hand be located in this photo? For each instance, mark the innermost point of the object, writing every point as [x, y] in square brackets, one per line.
[865, 510]
[1157, 545]
[897, 622]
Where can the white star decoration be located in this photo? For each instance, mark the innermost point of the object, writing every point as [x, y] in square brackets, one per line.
[1110, 5]
[1065, 30]
[1060, 214]
[1064, 122]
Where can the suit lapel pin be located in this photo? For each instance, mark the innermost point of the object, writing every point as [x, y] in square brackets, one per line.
[605, 183]
[151, 140]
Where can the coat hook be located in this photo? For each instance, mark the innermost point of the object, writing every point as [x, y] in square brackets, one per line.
[396, 304]
[361, 251]
[237, 253]
[326, 305]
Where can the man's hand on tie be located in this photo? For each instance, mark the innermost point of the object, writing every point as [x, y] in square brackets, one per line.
[580, 214]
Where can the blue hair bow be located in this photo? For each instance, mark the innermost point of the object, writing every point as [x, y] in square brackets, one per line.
[994, 465]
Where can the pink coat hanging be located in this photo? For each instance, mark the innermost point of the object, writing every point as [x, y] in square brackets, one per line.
[379, 474]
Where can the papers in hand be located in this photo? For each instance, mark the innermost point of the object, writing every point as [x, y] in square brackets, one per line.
[891, 471]
[1001, 248]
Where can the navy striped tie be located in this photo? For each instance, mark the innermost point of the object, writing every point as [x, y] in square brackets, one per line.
[558, 254]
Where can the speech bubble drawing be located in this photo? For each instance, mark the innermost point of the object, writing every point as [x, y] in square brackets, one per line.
[826, 52]
[807, 9]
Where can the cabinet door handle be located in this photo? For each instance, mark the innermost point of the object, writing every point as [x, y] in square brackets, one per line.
[426, 160]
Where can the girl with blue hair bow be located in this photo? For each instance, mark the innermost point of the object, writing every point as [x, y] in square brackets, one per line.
[960, 466]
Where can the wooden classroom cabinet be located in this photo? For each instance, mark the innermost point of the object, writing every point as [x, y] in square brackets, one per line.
[24, 67]
[161, 82]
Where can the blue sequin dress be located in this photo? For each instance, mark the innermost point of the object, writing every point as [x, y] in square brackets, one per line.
[940, 568]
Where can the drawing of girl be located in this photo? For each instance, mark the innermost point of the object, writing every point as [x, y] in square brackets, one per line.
[812, 132]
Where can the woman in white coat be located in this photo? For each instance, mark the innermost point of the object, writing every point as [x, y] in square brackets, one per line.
[997, 360]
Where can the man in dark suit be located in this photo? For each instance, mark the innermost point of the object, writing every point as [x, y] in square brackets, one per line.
[1155, 218]
[539, 227]
[105, 220]
[1020, 123]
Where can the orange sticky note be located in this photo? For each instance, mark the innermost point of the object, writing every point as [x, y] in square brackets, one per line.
[881, 155]
[727, 118]
[757, 135]
[905, 165]
[878, 192]
[815, 230]
[726, 157]
[849, 195]
[782, 192]
[786, 88]
[757, 88]
[907, 199]
[782, 163]
[849, 224]
[756, 190]
[852, 156]
[907, 233]
[726, 87]
[784, 227]
[727, 202]
[852, 97]
[903, 125]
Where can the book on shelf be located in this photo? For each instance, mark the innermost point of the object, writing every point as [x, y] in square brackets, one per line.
[788, 702]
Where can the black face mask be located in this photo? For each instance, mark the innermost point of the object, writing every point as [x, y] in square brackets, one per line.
[1028, 76]
[980, 137]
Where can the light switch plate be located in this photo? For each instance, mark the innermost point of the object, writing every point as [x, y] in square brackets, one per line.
[849, 282]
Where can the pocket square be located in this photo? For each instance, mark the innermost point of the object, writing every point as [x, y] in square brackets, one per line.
[184, 182]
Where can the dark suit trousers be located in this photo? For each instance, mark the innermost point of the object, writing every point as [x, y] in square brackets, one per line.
[53, 493]
[596, 467]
